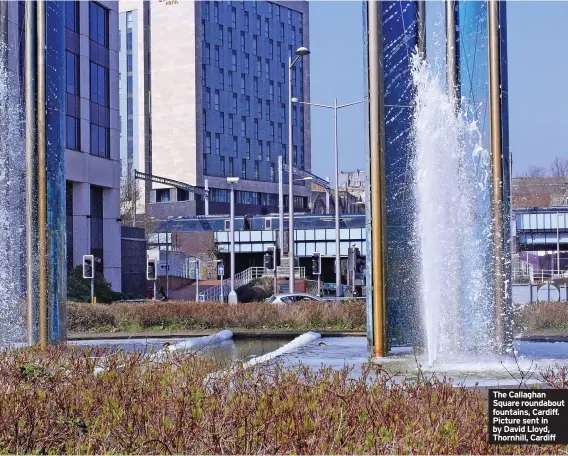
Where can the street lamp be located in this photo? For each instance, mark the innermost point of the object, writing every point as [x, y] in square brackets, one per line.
[300, 52]
[303, 179]
[335, 107]
[232, 294]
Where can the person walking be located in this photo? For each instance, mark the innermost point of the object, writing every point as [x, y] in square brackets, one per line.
[162, 294]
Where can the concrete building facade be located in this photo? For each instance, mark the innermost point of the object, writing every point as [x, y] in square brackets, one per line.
[213, 89]
[87, 123]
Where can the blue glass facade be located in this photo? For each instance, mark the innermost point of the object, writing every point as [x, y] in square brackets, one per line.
[246, 46]
[400, 37]
[56, 208]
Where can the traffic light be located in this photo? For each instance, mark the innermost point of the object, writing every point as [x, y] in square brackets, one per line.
[269, 258]
[88, 269]
[316, 263]
[151, 271]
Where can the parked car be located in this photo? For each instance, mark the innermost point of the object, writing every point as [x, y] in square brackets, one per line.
[286, 298]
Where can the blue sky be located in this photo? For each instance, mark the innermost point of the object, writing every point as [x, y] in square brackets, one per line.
[538, 82]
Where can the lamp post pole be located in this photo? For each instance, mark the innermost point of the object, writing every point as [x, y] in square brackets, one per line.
[335, 108]
[280, 205]
[291, 250]
[232, 294]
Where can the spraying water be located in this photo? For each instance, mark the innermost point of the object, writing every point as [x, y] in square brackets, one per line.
[12, 203]
[452, 229]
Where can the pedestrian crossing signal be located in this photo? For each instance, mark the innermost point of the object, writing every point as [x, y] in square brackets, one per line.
[151, 273]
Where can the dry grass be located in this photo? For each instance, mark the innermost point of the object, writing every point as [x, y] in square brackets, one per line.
[543, 316]
[51, 403]
[213, 315]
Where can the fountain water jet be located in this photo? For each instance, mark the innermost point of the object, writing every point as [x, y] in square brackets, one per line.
[452, 228]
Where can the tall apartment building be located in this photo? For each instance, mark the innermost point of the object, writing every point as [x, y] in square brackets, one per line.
[204, 96]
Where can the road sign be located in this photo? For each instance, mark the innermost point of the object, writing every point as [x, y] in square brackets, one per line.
[221, 269]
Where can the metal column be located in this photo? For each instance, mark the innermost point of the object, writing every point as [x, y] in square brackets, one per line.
[31, 173]
[42, 174]
[377, 180]
[280, 205]
[452, 62]
[496, 153]
[291, 248]
[421, 23]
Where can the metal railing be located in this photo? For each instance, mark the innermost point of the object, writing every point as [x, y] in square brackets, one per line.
[242, 278]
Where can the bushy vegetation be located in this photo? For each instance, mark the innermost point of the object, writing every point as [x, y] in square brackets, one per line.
[543, 317]
[177, 315]
[53, 404]
[79, 289]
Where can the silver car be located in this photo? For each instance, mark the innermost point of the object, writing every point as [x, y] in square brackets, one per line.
[287, 298]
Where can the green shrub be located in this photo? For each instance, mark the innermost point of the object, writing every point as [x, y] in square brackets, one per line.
[79, 289]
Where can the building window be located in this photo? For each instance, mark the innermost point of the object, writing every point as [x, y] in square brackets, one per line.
[235, 103]
[72, 70]
[98, 24]
[230, 37]
[217, 56]
[301, 157]
[230, 81]
[73, 139]
[294, 36]
[234, 60]
[208, 142]
[205, 10]
[204, 122]
[270, 9]
[217, 144]
[258, 66]
[230, 124]
[267, 151]
[246, 21]
[207, 54]
[247, 150]
[99, 84]
[222, 78]
[279, 92]
[272, 131]
[243, 42]
[208, 98]
[72, 15]
[294, 77]
[243, 126]
[97, 229]
[282, 111]
[203, 31]
[277, 11]
[231, 166]
[255, 86]
[281, 31]
[221, 33]
[256, 171]
[243, 84]
[235, 146]
[271, 90]
[283, 153]
[258, 25]
[222, 121]
[267, 68]
[99, 141]
[254, 45]
[247, 63]
[295, 149]
[259, 152]
[289, 16]
[282, 72]
[266, 27]
[223, 167]
[216, 100]
[271, 49]
[256, 128]
[248, 105]
[203, 76]
[129, 63]
[216, 11]
[279, 51]
[204, 167]
[233, 17]
[272, 173]
[294, 116]
[244, 169]
[279, 132]
[267, 109]
[300, 36]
